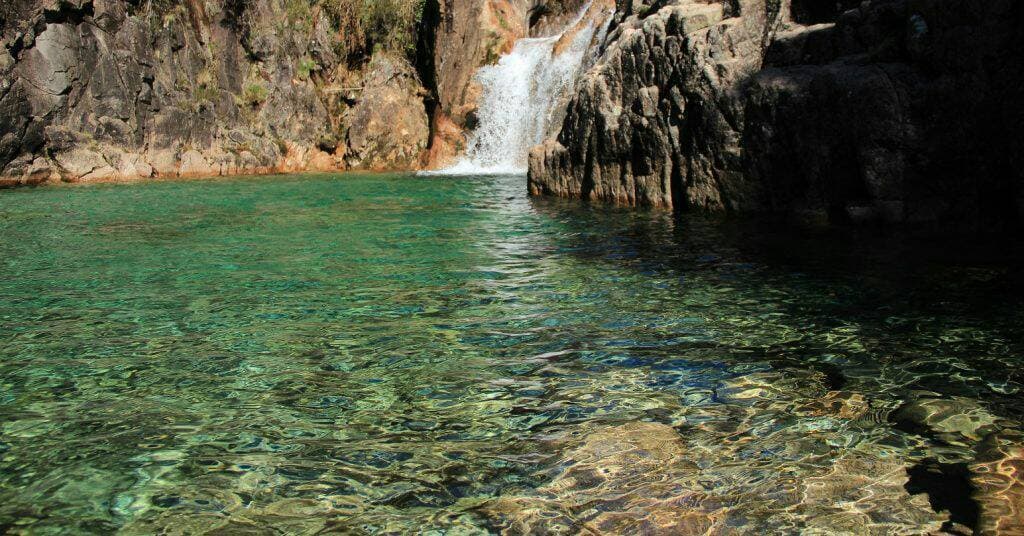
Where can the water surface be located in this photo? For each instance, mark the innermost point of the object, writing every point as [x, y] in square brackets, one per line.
[395, 354]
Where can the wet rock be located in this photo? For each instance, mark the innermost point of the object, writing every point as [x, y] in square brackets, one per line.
[954, 419]
[22, 172]
[740, 106]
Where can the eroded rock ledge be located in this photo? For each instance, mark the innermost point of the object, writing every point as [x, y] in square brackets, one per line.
[892, 110]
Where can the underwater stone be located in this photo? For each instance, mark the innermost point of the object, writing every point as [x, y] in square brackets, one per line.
[949, 417]
[998, 479]
[788, 385]
[841, 404]
[635, 476]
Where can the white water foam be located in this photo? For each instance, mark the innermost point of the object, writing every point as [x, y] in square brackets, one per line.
[519, 100]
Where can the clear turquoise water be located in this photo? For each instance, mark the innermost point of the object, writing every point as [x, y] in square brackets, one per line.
[395, 354]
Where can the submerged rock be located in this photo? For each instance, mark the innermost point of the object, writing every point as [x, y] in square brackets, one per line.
[648, 478]
[954, 419]
[846, 405]
[775, 386]
[628, 479]
[865, 493]
[998, 479]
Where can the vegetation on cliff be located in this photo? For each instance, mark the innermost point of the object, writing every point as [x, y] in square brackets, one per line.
[107, 89]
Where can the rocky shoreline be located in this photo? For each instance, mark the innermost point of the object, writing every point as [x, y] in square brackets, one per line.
[101, 90]
[109, 90]
[898, 111]
[892, 111]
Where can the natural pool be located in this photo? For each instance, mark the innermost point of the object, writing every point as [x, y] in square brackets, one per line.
[394, 354]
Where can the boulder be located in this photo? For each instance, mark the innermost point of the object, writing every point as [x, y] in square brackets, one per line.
[628, 479]
[649, 478]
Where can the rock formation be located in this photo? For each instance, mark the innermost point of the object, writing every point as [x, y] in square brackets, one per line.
[892, 110]
[846, 111]
[112, 89]
[109, 89]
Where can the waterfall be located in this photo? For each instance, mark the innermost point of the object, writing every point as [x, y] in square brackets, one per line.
[519, 100]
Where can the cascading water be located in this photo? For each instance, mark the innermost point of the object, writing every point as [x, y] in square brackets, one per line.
[519, 99]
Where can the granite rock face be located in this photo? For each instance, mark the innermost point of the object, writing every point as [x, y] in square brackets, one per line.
[110, 89]
[384, 131]
[891, 110]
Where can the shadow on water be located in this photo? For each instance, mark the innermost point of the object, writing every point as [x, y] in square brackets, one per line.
[899, 292]
[894, 315]
[948, 487]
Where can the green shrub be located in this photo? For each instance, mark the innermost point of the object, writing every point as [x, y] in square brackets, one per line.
[205, 93]
[368, 25]
[392, 24]
[306, 67]
[254, 95]
[298, 12]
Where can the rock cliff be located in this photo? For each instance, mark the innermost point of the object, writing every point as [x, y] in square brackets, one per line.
[118, 89]
[109, 89]
[892, 110]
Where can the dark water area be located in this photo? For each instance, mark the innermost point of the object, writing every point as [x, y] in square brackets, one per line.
[430, 355]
